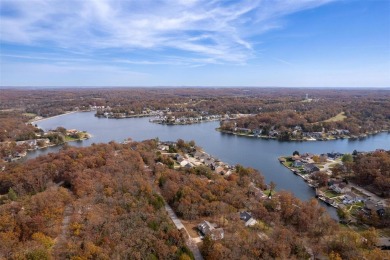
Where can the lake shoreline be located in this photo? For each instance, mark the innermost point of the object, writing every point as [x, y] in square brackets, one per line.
[302, 140]
[259, 154]
[33, 121]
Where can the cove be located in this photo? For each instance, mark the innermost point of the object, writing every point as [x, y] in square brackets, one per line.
[261, 154]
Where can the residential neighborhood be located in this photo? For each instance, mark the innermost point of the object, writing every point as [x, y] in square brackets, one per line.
[184, 120]
[13, 151]
[194, 158]
[318, 172]
[190, 157]
[292, 133]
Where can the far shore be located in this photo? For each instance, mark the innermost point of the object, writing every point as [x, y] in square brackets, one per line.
[45, 118]
[303, 139]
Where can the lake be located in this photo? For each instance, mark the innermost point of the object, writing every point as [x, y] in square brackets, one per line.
[261, 154]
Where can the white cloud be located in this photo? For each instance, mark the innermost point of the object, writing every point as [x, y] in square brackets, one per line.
[207, 30]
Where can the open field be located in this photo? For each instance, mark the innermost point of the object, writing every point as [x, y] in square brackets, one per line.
[339, 117]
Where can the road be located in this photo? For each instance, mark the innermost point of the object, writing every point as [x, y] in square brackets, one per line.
[191, 242]
[372, 196]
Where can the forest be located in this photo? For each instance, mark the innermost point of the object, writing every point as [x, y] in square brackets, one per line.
[14, 128]
[370, 170]
[89, 203]
[107, 201]
[355, 111]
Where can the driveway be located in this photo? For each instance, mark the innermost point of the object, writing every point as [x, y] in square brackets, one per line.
[191, 242]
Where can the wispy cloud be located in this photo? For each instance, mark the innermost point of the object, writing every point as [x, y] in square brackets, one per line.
[283, 61]
[198, 31]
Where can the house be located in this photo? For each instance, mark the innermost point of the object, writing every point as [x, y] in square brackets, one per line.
[203, 157]
[242, 130]
[162, 147]
[207, 229]
[179, 158]
[169, 143]
[316, 134]
[226, 172]
[334, 155]
[297, 164]
[273, 133]
[71, 132]
[188, 165]
[258, 193]
[352, 197]
[297, 128]
[197, 155]
[185, 164]
[209, 161]
[310, 167]
[307, 156]
[257, 131]
[219, 170]
[371, 206]
[247, 218]
[340, 187]
[222, 170]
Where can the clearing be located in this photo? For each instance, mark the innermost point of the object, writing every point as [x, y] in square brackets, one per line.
[339, 117]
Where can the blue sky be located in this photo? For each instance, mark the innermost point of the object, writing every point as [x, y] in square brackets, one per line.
[286, 43]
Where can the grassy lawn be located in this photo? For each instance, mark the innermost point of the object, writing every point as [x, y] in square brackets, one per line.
[355, 208]
[331, 194]
[332, 165]
[359, 204]
[176, 165]
[287, 164]
[266, 192]
[339, 117]
[69, 139]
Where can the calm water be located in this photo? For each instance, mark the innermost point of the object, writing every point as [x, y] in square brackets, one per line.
[252, 152]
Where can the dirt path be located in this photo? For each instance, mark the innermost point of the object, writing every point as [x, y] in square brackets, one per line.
[61, 239]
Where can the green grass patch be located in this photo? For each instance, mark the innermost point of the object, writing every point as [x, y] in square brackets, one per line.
[70, 139]
[359, 204]
[266, 192]
[331, 194]
[287, 164]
